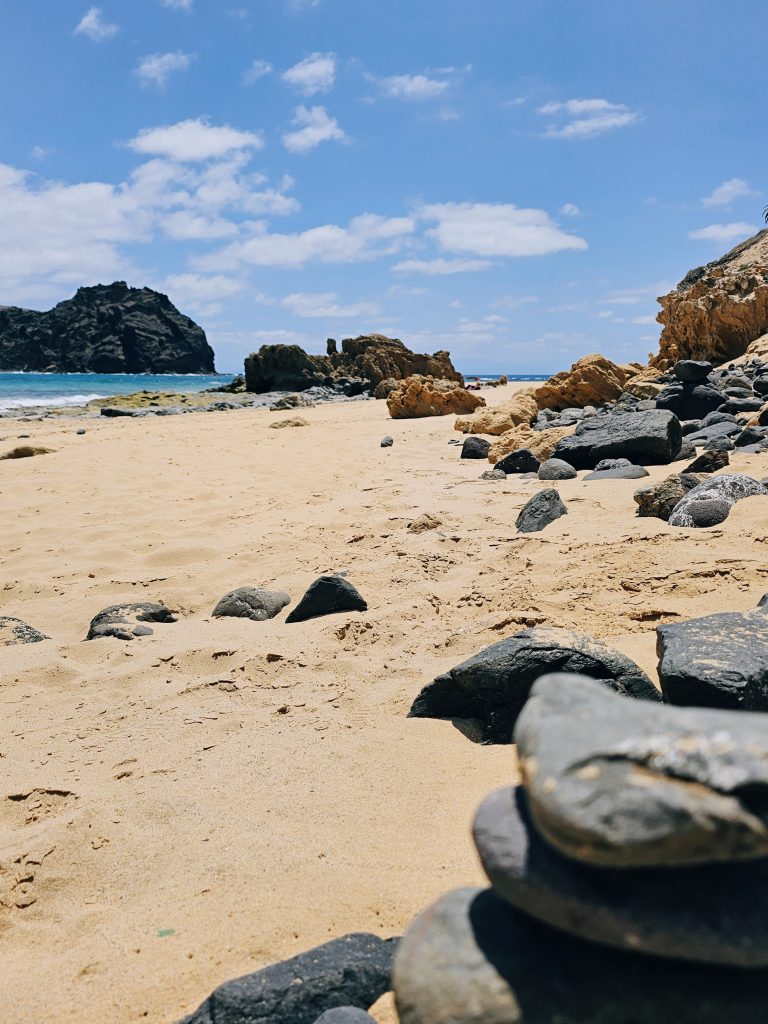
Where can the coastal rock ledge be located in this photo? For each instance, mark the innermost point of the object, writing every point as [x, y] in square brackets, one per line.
[104, 329]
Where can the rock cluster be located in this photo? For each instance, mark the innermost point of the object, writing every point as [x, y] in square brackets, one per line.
[105, 329]
[368, 363]
[418, 396]
[629, 874]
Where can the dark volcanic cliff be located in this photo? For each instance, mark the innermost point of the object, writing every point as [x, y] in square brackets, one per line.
[105, 329]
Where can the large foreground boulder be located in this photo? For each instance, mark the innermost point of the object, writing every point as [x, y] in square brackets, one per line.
[716, 495]
[659, 500]
[593, 380]
[646, 438]
[419, 396]
[539, 511]
[105, 329]
[494, 685]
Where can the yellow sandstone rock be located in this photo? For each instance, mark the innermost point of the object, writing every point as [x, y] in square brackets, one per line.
[424, 396]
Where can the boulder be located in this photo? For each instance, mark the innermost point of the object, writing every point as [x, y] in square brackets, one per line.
[126, 621]
[645, 438]
[522, 461]
[556, 469]
[717, 661]
[618, 473]
[708, 462]
[520, 409]
[475, 448]
[251, 603]
[327, 596]
[105, 329]
[659, 500]
[15, 631]
[540, 443]
[493, 474]
[494, 684]
[727, 488]
[718, 310]
[539, 511]
[419, 396]
[593, 380]
[353, 971]
[630, 784]
[708, 914]
[690, 401]
[692, 371]
[472, 958]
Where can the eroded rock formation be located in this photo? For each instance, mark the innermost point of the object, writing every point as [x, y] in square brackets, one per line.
[418, 396]
[592, 380]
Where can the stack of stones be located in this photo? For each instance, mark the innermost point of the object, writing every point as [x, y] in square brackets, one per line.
[629, 874]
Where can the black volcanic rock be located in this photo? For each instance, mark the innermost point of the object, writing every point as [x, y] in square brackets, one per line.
[105, 329]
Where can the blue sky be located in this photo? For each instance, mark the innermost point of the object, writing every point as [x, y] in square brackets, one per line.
[514, 180]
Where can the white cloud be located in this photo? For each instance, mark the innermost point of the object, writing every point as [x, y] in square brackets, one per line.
[496, 229]
[93, 25]
[177, 5]
[584, 119]
[636, 296]
[412, 87]
[649, 319]
[515, 301]
[315, 73]
[325, 304]
[315, 125]
[441, 266]
[188, 288]
[365, 238]
[257, 70]
[193, 140]
[725, 193]
[723, 232]
[157, 67]
[39, 152]
[570, 210]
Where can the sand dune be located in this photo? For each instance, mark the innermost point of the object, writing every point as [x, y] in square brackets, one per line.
[187, 807]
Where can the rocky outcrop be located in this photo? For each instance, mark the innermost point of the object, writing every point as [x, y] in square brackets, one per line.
[418, 396]
[496, 420]
[370, 360]
[540, 443]
[718, 310]
[592, 380]
[105, 329]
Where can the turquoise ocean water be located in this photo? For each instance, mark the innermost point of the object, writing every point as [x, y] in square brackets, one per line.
[34, 390]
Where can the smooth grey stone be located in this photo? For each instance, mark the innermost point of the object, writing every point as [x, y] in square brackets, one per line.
[704, 511]
[621, 784]
[727, 487]
[760, 385]
[121, 620]
[327, 596]
[251, 603]
[712, 914]
[387, 442]
[143, 631]
[719, 417]
[556, 469]
[749, 436]
[522, 461]
[717, 661]
[723, 428]
[620, 473]
[724, 444]
[691, 371]
[642, 437]
[16, 631]
[475, 448]
[708, 462]
[612, 464]
[735, 405]
[472, 958]
[352, 971]
[687, 451]
[659, 500]
[493, 685]
[539, 511]
[345, 1015]
[493, 474]
[81, 431]
[691, 427]
[690, 401]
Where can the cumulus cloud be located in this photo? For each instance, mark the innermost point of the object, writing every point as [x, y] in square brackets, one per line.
[316, 73]
[326, 305]
[177, 5]
[412, 87]
[365, 238]
[441, 266]
[585, 119]
[496, 229]
[257, 70]
[201, 292]
[314, 125]
[515, 301]
[723, 232]
[158, 67]
[728, 191]
[92, 24]
[193, 140]
[570, 210]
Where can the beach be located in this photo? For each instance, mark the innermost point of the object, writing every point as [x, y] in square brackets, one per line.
[190, 806]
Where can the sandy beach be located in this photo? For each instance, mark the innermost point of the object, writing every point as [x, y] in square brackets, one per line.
[190, 806]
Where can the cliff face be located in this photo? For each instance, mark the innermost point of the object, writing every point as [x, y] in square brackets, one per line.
[372, 358]
[717, 310]
[105, 329]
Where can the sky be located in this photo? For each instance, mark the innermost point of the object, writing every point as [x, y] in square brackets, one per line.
[515, 181]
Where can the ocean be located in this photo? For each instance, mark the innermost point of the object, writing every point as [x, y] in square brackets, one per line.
[51, 390]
